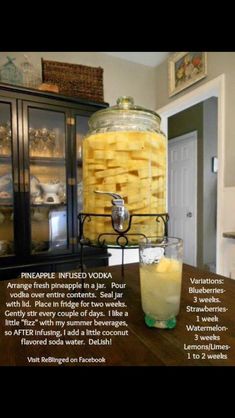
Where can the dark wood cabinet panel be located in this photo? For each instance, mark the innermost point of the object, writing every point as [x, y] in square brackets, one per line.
[40, 180]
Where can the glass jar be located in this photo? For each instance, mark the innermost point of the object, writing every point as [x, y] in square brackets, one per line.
[124, 153]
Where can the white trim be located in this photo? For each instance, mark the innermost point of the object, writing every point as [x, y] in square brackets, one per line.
[184, 137]
[187, 137]
[213, 88]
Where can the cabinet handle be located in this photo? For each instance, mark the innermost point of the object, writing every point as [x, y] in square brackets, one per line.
[73, 241]
[70, 121]
[71, 181]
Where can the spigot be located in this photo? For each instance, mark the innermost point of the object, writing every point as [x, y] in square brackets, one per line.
[120, 214]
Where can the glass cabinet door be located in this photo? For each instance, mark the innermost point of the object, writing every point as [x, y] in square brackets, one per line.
[48, 194]
[7, 238]
[81, 131]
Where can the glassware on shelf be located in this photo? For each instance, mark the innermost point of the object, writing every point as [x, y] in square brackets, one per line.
[42, 142]
[6, 189]
[3, 247]
[35, 192]
[62, 193]
[6, 230]
[6, 247]
[5, 138]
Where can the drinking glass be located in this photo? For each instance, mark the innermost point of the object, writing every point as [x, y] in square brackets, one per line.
[160, 280]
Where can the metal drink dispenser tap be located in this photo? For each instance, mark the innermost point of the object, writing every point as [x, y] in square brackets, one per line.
[120, 214]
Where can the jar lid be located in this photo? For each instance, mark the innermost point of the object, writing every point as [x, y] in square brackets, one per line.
[125, 114]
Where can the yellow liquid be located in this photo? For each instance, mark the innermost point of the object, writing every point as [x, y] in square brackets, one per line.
[161, 288]
[132, 164]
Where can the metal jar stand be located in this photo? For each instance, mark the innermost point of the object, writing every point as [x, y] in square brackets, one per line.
[122, 241]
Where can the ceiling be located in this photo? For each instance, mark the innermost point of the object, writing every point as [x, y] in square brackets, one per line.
[151, 59]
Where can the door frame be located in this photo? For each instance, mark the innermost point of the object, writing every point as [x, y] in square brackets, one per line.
[175, 140]
[213, 88]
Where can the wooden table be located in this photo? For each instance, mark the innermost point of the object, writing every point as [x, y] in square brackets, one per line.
[144, 346]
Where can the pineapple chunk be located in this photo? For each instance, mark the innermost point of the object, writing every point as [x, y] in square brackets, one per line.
[121, 178]
[137, 164]
[99, 142]
[130, 190]
[106, 155]
[122, 156]
[138, 205]
[144, 172]
[168, 265]
[145, 183]
[140, 155]
[163, 265]
[123, 145]
[111, 172]
[110, 187]
[114, 164]
[97, 167]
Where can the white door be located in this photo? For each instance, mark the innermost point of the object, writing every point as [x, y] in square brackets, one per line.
[182, 193]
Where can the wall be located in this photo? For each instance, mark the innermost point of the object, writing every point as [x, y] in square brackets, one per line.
[121, 77]
[209, 180]
[229, 226]
[218, 63]
[187, 121]
[203, 119]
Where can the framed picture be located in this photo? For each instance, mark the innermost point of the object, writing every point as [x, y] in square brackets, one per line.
[185, 69]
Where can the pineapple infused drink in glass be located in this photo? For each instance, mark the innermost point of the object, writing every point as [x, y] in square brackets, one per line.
[160, 280]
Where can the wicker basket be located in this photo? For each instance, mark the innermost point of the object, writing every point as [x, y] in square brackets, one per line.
[74, 80]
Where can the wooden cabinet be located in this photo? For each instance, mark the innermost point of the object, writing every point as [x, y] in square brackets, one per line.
[41, 181]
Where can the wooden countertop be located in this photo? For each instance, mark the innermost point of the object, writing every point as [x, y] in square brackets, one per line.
[144, 346]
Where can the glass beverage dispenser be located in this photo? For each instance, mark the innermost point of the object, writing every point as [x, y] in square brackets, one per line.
[124, 157]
